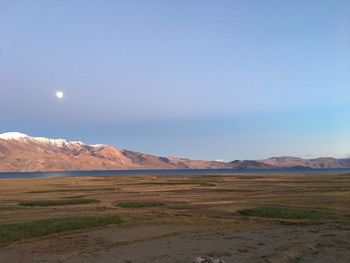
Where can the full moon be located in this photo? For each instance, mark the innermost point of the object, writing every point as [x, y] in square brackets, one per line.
[59, 94]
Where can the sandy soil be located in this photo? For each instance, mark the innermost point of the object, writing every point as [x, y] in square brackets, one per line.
[163, 244]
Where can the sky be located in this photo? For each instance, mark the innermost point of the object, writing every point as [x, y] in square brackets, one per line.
[199, 79]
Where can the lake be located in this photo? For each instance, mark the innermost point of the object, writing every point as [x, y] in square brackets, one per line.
[167, 172]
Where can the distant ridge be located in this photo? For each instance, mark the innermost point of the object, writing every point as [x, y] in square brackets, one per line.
[22, 153]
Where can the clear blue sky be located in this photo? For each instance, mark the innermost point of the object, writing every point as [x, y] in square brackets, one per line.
[200, 79]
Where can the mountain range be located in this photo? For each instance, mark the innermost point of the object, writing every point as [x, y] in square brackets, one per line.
[22, 153]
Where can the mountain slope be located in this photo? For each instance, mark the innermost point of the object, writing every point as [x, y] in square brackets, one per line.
[324, 162]
[20, 152]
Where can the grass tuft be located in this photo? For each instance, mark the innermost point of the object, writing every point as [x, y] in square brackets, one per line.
[67, 190]
[19, 231]
[294, 213]
[76, 201]
[183, 182]
[138, 204]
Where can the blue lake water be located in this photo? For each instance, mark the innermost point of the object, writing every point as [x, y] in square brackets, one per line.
[166, 172]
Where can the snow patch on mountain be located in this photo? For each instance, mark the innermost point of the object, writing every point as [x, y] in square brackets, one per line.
[12, 135]
[56, 142]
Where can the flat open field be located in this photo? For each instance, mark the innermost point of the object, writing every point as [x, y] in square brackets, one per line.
[235, 218]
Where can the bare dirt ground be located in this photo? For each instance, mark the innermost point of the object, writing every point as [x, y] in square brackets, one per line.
[199, 218]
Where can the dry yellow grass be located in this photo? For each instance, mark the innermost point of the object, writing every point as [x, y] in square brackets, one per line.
[208, 195]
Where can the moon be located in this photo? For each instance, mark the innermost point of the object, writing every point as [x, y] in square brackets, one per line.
[59, 94]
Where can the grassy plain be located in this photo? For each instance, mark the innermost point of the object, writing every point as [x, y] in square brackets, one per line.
[117, 210]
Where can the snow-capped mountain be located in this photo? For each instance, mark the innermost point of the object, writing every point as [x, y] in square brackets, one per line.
[21, 152]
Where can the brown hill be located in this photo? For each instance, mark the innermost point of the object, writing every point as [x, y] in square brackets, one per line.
[323, 162]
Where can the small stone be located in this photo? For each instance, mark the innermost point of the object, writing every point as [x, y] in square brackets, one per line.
[207, 260]
[199, 260]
